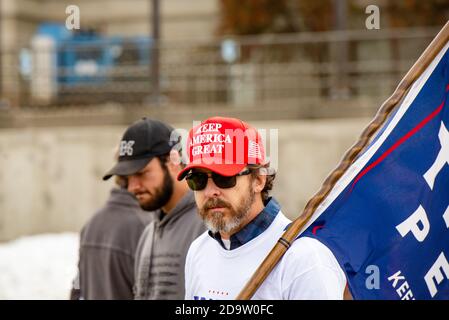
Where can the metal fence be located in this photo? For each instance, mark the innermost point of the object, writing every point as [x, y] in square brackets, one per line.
[237, 71]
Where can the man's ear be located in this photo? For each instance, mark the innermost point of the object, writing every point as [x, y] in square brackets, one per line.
[259, 182]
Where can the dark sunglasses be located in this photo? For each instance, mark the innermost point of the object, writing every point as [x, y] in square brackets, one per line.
[198, 180]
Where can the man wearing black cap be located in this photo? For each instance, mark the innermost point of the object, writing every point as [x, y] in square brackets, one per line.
[150, 162]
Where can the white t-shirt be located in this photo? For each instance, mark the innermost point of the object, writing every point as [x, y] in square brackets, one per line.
[308, 270]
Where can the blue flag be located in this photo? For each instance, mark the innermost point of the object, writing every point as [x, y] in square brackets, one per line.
[387, 218]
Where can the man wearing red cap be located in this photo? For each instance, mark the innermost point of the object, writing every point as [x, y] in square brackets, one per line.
[231, 179]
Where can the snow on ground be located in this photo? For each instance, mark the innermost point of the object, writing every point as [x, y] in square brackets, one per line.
[38, 267]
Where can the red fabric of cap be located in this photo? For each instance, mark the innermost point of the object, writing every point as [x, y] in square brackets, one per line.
[223, 145]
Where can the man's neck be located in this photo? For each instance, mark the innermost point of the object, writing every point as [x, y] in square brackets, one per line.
[180, 188]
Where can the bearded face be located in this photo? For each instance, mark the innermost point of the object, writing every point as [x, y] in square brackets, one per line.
[152, 186]
[223, 216]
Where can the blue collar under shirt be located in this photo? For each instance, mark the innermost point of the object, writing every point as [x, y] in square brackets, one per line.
[257, 226]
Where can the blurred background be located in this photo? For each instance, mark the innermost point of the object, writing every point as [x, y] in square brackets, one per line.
[314, 71]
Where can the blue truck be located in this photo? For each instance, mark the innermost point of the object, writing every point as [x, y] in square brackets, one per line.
[82, 66]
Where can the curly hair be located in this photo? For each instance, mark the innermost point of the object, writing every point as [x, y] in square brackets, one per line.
[121, 182]
[256, 171]
[163, 159]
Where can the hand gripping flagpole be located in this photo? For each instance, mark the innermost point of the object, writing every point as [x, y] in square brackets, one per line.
[292, 232]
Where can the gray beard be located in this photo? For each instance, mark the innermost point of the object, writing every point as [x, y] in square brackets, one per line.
[215, 222]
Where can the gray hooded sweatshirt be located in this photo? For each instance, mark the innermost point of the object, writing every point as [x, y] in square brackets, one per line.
[107, 246]
[162, 250]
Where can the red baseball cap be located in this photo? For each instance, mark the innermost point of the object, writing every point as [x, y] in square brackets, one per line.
[223, 145]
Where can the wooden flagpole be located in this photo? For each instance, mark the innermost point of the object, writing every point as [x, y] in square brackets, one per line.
[292, 232]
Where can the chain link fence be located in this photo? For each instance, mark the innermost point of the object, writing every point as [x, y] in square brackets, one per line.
[246, 71]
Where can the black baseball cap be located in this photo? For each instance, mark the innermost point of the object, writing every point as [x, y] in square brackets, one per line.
[141, 142]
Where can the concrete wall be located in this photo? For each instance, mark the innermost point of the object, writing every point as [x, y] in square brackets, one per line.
[50, 178]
